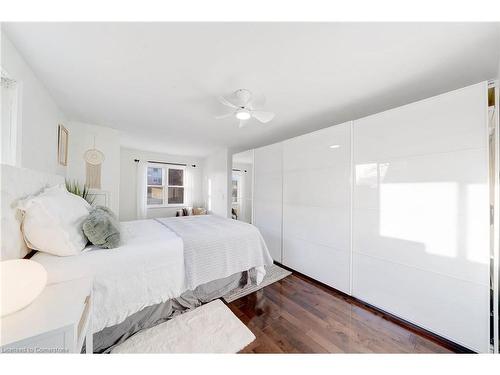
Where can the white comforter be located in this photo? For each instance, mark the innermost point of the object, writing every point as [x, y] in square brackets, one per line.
[216, 247]
[153, 264]
[148, 268]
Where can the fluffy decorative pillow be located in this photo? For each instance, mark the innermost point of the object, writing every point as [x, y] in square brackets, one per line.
[102, 228]
[199, 211]
[52, 221]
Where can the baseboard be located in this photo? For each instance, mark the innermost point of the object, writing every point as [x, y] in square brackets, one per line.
[453, 346]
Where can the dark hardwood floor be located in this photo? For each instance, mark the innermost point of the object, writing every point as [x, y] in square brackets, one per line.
[295, 315]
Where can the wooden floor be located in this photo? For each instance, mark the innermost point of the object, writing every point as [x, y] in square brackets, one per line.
[295, 315]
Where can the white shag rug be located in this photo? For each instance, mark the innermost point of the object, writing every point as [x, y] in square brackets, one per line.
[211, 328]
[273, 273]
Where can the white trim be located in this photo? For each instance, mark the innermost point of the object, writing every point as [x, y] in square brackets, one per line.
[252, 214]
[351, 205]
[177, 205]
[282, 242]
[16, 119]
[495, 251]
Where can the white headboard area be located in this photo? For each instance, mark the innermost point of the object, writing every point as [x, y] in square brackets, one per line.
[16, 184]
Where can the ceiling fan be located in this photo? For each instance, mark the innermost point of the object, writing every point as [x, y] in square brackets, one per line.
[244, 107]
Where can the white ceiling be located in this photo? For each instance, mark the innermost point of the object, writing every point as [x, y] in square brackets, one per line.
[245, 157]
[157, 82]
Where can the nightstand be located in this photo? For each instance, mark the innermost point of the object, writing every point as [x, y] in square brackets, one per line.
[58, 321]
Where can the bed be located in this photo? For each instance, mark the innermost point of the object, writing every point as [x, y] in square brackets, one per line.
[163, 267]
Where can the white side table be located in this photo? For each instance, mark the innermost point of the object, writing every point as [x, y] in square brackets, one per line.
[58, 321]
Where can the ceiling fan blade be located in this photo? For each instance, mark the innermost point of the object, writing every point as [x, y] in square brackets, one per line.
[226, 102]
[263, 116]
[244, 97]
[220, 117]
[257, 101]
[242, 123]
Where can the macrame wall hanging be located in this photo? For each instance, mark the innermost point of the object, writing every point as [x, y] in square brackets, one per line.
[93, 160]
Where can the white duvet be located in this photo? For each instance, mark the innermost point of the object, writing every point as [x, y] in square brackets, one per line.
[148, 268]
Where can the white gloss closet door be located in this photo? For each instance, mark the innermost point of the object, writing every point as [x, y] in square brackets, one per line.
[421, 214]
[268, 196]
[316, 205]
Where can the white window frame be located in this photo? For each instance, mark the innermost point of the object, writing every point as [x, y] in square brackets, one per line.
[165, 185]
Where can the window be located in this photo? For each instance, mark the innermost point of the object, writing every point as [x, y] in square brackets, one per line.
[165, 186]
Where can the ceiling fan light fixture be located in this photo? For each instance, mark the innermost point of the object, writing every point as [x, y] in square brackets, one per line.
[243, 114]
[245, 107]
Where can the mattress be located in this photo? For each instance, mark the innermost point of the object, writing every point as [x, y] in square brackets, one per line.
[146, 269]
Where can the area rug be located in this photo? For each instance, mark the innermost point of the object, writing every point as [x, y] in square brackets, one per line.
[273, 273]
[211, 328]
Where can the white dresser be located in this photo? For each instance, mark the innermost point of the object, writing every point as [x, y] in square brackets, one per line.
[58, 321]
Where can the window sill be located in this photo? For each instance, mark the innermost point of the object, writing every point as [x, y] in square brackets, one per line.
[167, 206]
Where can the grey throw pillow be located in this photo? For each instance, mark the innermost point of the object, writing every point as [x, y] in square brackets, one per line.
[102, 228]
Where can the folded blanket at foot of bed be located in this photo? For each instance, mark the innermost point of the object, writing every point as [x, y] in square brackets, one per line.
[216, 247]
[150, 316]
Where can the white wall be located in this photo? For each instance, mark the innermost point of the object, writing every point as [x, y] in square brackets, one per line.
[216, 183]
[107, 140]
[128, 181]
[40, 115]
[498, 71]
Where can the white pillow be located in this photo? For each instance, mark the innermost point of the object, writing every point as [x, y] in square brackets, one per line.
[53, 221]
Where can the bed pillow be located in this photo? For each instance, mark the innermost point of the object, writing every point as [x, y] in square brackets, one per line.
[199, 211]
[52, 221]
[102, 228]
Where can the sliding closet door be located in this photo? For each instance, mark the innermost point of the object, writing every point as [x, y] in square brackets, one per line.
[268, 195]
[421, 214]
[316, 205]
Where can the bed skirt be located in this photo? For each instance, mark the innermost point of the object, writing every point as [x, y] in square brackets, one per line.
[109, 337]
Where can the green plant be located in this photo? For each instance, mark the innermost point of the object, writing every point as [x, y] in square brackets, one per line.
[80, 190]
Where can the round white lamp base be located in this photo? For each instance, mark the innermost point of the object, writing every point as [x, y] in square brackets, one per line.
[22, 280]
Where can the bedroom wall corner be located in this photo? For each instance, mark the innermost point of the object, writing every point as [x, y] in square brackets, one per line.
[107, 140]
[40, 115]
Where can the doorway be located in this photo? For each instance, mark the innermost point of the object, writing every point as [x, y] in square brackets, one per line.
[241, 188]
